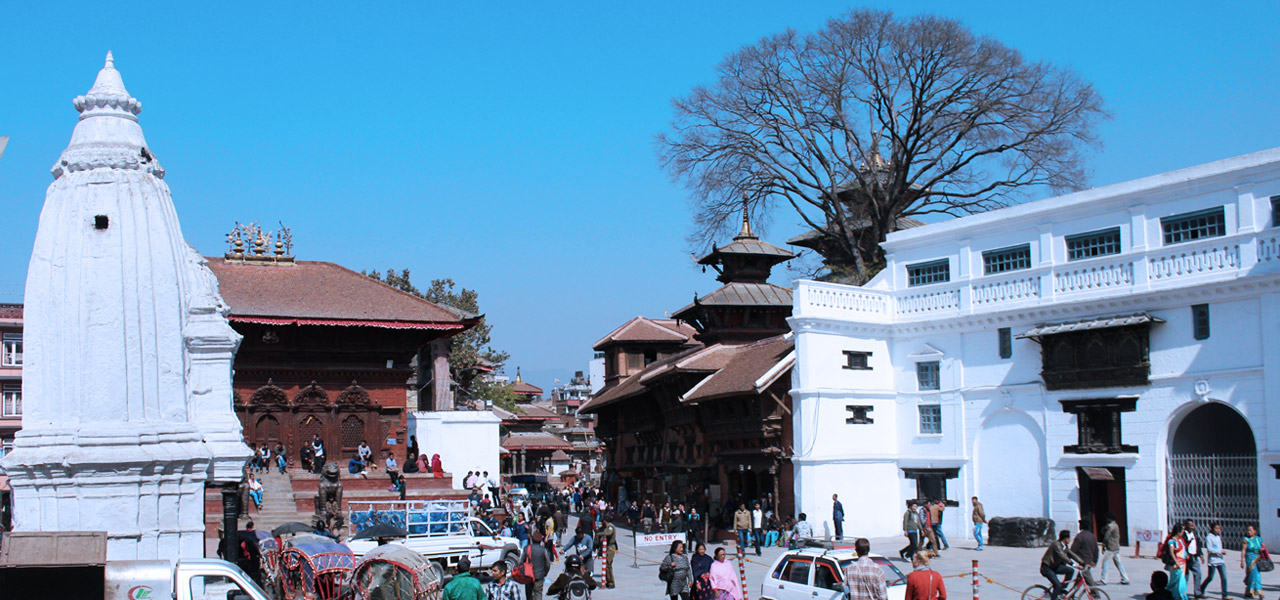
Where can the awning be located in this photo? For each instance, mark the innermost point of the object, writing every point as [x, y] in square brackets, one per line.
[1087, 324]
[1098, 473]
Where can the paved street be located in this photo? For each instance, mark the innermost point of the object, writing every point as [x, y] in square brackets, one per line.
[1014, 567]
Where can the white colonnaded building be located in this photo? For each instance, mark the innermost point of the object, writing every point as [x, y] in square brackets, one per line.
[1112, 350]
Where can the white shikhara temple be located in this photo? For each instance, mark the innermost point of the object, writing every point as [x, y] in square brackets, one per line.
[1113, 350]
[127, 375]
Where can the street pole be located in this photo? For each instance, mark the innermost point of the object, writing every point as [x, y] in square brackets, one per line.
[635, 548]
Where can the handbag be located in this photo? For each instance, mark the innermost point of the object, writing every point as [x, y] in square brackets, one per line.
[523, 573]
[1264, 563]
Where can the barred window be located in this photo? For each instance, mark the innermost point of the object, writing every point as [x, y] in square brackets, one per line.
[1194, 226]
[930, 418]
[937, 271]
[927, 375]
[1006, 259]
[1094, 243]
[858, 361]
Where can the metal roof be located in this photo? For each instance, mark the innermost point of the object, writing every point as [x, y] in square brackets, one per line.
[743, 294]
[747, 246]
[1087, 324]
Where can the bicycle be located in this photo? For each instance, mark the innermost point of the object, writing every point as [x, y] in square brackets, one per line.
[1079, 589]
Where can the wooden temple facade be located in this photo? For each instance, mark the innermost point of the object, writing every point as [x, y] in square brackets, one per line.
[696, 409]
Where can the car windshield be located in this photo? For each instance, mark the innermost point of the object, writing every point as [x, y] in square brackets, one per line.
[892, 576]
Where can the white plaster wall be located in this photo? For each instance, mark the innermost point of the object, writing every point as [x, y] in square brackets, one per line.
[466, 440]
[1000, 427]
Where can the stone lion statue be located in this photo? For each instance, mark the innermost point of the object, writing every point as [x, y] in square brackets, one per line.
[328, 499]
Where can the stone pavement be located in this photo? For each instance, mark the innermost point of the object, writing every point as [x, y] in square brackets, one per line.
[1016, 568]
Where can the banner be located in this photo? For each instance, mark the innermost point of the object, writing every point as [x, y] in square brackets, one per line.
[658, 539]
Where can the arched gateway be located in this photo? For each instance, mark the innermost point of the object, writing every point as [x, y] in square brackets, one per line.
[1213, 471]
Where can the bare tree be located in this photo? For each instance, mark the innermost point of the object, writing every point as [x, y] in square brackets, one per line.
[874, 119]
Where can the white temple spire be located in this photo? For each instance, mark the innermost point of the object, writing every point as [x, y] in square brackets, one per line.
[111, 62]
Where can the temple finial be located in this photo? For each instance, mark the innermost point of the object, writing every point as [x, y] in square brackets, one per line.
[746, 223]
[111, 62]
[518, 380]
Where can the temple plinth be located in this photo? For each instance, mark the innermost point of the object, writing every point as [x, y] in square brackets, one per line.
[127, 375]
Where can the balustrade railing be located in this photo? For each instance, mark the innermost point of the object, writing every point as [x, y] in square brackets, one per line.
[1217, 256]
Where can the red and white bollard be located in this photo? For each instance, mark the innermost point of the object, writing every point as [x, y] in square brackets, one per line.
[976, 581]
[742, 572]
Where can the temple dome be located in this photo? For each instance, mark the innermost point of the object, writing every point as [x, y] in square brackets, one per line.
[108, 134]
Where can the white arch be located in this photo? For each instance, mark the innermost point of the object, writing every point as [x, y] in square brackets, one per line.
[1010, 473]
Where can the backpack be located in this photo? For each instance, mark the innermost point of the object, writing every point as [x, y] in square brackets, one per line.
[576, 590]
[1165, 555]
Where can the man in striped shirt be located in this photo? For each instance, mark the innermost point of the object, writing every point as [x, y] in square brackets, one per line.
[502, 587]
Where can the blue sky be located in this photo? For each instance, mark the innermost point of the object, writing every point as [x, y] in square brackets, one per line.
[510, 145]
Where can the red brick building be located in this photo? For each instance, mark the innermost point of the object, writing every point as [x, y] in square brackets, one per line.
[332, 352]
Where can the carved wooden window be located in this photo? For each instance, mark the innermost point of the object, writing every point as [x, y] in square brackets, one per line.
[1110, 357]
[931, 484]
[1095, 243]
[858, 361]
[930, 419]
[1003, 260]
[352, 432]
[937, 271]
[635, 361]
[928, 375]
[1006, 342]
[1200, 321]
[1098, 425]
[1194, 226]
[859, 415]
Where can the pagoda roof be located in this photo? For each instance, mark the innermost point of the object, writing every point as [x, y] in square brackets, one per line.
[525, 389]
[811, 238]
[728, 370]
[747, 246]
[754, 367]
[324, 293]
[739, 293]
[534, 441]
[643, 329]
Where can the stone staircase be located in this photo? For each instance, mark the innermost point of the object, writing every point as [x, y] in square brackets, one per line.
[278, 503]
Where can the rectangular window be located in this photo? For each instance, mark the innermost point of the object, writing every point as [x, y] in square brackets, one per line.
[1006, 342]
[1275, 211]
[938, 271]
[635, 361]
[1094, 243]
[1194, 226]
[11, 401]
[927, 376]
[1200, 321]
[930, 419]
[6, 446]
[858, 361]
[12, 354]
[1003, 260]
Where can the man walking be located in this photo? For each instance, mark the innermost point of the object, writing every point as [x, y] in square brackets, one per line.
[863, 578]
[648, 515]
[742, 523]
[541, 561]
[1217, 560]
[837, 515]
[1195, 552]
[1111, 550]
[757, 526]
[1086, 547]
[979, 521]
[562, 524]
[935, 513]
[911, 529]
[463, 586]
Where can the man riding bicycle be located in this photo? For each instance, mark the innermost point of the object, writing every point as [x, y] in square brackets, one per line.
[1057, 564]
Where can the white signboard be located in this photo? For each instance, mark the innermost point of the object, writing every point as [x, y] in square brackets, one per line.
[658, 539]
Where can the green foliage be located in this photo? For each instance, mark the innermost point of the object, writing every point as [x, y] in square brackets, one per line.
[469, 349]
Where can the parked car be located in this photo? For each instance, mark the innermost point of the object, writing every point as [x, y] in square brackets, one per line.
[818, 573]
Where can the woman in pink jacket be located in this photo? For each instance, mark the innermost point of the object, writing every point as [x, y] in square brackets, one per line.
[724, 578]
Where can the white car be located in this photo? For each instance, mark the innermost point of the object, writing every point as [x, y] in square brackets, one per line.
[818, 573]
